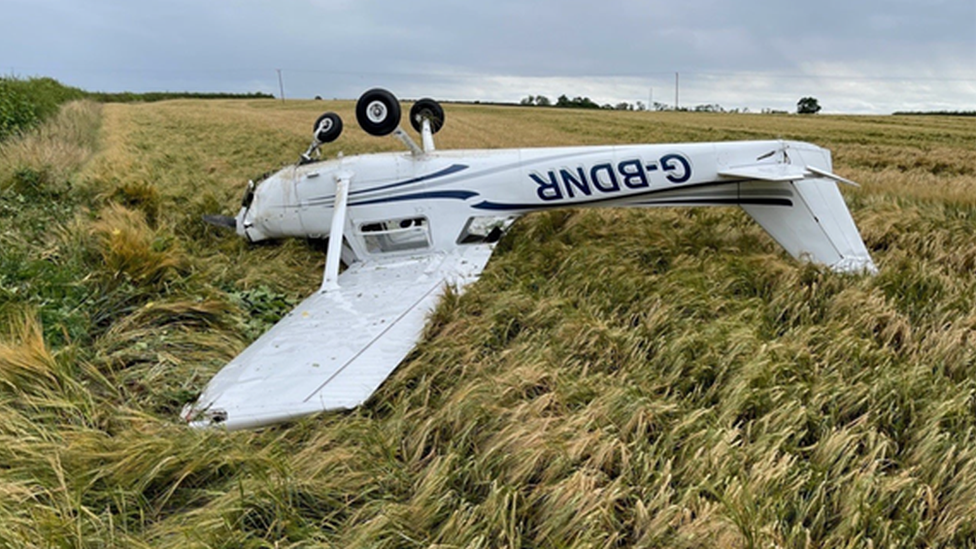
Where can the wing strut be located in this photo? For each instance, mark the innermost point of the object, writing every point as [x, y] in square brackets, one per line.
[330, 280]
[427, 135]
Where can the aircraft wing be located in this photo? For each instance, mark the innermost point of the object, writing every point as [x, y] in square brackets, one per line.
[336, 348]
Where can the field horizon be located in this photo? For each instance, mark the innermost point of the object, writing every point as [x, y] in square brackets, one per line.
[617, 378]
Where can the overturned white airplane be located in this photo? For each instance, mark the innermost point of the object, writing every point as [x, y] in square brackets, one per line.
[409, 224]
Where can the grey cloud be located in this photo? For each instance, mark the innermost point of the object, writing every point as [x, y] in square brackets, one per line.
[340, 47]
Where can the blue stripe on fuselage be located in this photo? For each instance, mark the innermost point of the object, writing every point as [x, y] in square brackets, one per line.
[456, 195]
[724, 187]
[452, 169]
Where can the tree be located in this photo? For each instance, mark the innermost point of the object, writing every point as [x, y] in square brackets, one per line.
[807, 105]
[542, 101]
[709, 108]
[527, 101]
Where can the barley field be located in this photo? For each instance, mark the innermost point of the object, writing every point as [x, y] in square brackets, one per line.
[617, 378]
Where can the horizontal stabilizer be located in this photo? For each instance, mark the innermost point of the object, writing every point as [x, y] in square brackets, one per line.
[780, 172]
[336, 348]
[828, 175]
[765, 172]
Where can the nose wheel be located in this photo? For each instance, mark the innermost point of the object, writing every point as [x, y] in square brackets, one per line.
[327, 128]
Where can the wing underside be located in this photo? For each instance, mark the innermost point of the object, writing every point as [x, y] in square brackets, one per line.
[336, 348]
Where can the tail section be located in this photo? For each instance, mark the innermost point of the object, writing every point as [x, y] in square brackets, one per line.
[818, 226]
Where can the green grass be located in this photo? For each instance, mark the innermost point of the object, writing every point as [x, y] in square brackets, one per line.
[658, 378]
[24, 103]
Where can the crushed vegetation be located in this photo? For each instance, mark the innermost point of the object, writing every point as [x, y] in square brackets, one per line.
[617, 378]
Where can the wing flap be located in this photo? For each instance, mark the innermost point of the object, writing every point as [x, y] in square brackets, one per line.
[336, 348]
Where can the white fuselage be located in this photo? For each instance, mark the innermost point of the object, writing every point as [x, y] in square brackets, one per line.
[448, 188]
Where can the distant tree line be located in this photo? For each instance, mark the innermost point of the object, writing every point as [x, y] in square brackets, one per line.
[563, 101]
[806, 105]
[24, 102]
[148, 97]
[935, 113]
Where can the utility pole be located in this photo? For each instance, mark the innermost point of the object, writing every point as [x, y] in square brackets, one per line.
[281, 86]
[650, 99]
[676, 91]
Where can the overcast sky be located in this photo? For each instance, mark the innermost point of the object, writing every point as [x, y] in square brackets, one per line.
[854, 56]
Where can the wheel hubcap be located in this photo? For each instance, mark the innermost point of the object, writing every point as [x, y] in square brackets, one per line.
[376, 112]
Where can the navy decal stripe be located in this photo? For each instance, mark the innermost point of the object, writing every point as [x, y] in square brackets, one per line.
[456, 195]
[529, 162]
[721, 186]
[729, 201]
[664, 202]
[452, 169]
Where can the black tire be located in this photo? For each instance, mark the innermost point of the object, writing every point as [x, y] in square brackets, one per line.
[327, 128]
[429, 109]
[378, 112]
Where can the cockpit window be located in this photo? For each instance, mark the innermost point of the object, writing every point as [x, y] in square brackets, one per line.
[396, 235]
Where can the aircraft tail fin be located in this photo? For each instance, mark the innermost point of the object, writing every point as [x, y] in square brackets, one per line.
[817, 227]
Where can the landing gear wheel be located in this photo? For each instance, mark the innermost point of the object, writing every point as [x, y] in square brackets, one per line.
[327, 128]
[378, 112]
[429, 109]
